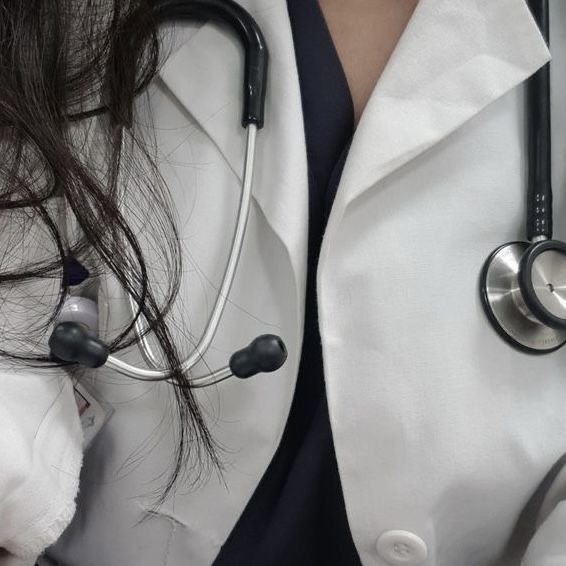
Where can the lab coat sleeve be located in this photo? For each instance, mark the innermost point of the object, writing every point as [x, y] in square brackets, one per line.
[40, 459]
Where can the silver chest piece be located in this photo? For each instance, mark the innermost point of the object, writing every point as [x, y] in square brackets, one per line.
[523, 290]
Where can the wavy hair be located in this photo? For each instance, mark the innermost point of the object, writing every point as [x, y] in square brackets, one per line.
[70, 71]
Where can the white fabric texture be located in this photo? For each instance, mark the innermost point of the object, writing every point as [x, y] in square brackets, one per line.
[41, 447]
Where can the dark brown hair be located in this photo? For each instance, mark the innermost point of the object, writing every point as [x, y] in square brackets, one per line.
[70, 71]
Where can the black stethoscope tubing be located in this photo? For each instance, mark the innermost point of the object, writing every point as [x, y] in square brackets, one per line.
[539, 192]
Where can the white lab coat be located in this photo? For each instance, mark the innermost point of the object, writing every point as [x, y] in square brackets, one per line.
[442, 431]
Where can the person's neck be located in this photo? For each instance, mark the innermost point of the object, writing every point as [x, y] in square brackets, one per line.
[365, 33]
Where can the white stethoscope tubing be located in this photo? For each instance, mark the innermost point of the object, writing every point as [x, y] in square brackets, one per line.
[156, 373]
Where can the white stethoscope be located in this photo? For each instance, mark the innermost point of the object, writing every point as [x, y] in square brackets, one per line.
[523, 284]
[74, 338]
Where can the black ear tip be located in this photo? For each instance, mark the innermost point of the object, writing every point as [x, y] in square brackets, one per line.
[70, 342]
[65, 340]
[271, 352]
[267, 353]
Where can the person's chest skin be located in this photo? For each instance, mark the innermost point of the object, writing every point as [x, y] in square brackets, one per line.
[365, 33]
[440, 428]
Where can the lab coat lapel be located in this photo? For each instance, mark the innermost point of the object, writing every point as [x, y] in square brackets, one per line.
[455, 57]
[205, 75]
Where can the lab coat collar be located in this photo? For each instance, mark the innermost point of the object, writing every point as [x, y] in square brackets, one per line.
[455, 58]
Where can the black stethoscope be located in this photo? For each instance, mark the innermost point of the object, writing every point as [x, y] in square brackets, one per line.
[523, 284]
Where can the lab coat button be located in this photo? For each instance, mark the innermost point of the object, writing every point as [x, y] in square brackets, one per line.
[401, 548]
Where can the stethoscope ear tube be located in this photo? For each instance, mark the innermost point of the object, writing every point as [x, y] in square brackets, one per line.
[74, 342]
[256, 54]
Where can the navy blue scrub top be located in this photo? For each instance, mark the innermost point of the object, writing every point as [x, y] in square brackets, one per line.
[296, 515]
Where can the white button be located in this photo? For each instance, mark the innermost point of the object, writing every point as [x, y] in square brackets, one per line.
[401, 548]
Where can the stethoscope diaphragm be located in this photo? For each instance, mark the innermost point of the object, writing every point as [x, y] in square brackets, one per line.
[523, 287]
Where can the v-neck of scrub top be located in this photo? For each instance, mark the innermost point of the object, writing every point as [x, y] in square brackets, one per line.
[296, 514]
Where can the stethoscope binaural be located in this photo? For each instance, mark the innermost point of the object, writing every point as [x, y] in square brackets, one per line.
[523, 284]
[74, 336]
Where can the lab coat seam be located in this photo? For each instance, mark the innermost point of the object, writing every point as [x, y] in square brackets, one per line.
[169, 543]
[177, 522]
[299, 287]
